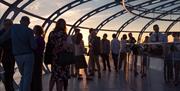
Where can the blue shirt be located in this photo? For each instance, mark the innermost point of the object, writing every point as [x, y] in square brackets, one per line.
[115, 46]
[157, 37]
[23, 40]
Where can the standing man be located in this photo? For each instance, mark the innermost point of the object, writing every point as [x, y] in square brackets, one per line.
[156, 36]
[105, 50]
[23, 46]
[115, 46]
[8, 60]
[158, 49]
[94, 52]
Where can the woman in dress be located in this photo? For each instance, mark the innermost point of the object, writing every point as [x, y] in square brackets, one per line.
[60, 73]
[79, 56]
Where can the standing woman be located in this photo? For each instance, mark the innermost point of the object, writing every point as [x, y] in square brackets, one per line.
[60, 74]
[79, 56]
[36, 84]
[123, 52]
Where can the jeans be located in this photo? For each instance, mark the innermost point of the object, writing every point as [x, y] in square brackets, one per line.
[105, 60]
[115, 59]
[25, 64]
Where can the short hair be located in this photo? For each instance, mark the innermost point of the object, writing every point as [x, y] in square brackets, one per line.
[25, 18]
[77, 30]
[129, 34]
[105, 34]
[90, 30]
[156, 26]
[124, 36]
[114, 35]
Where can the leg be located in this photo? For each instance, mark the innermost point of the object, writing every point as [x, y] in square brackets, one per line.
[120, 61]
[72, 68]
[36, 84]
[96, 60]
[104, 61]
[28, 69]
[20, 64]
[124, 56]
[135, 65]
[8, 65]
[108, 63]
[169, 70]
[65, 85]
[92, 65]
[177, 69]
[51, 83]
[59, 85]
[115, 59]
[25, 64]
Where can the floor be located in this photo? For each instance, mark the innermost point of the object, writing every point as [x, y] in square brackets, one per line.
[121, 81]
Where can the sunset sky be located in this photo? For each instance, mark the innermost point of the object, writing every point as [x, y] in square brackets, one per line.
[46, 7]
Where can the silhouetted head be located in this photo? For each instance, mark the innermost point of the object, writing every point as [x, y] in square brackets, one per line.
[130, 35]
[77, 31]
[60, 25]
[90, 30]
[25, 21]
[124, 37]
[7, 24]
[105, 36]
[38, 30]
[156, 28]
[146, 38]
[114, 35]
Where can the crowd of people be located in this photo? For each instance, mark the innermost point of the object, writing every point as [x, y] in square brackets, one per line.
[26, 47]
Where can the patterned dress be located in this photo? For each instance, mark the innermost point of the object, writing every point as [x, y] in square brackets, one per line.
[58, 39]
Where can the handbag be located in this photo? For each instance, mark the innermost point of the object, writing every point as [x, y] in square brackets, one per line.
[65, 58]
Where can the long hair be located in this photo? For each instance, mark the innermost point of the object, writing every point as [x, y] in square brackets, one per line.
[60, 25]
[38, 30]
